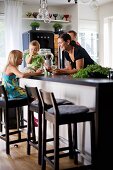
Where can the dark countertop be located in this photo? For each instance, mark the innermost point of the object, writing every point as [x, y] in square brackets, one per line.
[68, 79]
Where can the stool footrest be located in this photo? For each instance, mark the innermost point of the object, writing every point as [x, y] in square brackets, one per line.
[18, 141]
[12, 133]
[60, 150]
[34, 144]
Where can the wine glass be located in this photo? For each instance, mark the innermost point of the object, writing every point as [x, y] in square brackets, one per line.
[55, 16]
[66, 16]
[61, 16]
[35, 14]
[50, 15]
[29, 14]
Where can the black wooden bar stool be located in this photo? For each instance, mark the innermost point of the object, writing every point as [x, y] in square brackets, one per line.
[61, 115]
[35, 105]
[5, 105]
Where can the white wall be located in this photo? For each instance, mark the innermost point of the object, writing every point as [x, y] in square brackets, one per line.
[105, 11]
[87, 20]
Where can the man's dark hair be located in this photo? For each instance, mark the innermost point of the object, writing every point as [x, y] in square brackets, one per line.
[72, 31]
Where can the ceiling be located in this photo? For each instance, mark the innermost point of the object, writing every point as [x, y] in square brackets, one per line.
[62, 2]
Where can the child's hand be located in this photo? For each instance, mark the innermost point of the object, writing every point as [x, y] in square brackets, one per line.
[40, 71]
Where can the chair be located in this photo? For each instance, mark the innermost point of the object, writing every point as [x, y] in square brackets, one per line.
[5, 105]
[35, 105]
[61, 115]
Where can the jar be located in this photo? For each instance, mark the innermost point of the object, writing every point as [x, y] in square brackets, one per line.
[48, 56]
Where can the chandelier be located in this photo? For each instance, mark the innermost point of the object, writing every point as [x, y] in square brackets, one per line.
[93, 3]
[43, 13]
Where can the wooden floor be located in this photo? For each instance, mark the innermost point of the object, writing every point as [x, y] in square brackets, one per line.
[18, 159]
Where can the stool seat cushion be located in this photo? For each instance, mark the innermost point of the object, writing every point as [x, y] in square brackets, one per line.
[16, 102]
[63, 101]
[34, 104]
[69, 111]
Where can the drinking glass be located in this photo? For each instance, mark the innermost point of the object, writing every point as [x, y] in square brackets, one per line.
[61, 16]
[66, 16]
[35, 14]
[50, 15]
[29, 14]
[55, 16]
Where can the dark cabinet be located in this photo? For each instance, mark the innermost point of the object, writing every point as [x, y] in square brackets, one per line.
[45, 38]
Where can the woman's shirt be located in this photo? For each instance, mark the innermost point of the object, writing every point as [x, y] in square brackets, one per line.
[79, 53]
[11, 85]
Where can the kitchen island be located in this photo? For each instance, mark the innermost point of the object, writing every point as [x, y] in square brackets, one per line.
[96, 93]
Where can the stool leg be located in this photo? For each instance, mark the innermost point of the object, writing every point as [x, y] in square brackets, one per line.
[33, 127]
[28, 131]
[70, 141]
[39, 136]
[7, 130]
[0, 119]
[18, 122]
[44, 143]
[56, 147]
[75, 143]
[83, 140]
[92, 124]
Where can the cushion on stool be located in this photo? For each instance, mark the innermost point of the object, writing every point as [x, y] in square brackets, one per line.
[70, 109]
[63, 101]
[35, 103]
[16, 102]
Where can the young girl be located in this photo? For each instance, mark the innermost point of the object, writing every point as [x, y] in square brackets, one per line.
[11, 74]
[33, 60]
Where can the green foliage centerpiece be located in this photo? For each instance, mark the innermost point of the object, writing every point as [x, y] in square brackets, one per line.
[92, 71]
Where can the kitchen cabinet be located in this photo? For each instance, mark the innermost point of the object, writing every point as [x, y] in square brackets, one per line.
[45, 38]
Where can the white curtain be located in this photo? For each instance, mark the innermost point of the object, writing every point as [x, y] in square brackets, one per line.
[13, 25]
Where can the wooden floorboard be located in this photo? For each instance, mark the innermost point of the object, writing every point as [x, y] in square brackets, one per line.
[18, 159]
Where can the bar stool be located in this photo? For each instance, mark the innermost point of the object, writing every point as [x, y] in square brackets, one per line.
[5, 105]
[61, 115]
[35, 105]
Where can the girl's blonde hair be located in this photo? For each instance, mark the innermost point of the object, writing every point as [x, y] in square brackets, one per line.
[14, 55]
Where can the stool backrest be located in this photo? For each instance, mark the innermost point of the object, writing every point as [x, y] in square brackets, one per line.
[33, 95]
[3, 94]
[49, 101]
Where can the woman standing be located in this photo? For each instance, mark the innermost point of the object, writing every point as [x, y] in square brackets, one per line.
[75, 55]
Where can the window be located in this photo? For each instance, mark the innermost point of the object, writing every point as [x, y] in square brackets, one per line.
[89, 40]
[88, 37]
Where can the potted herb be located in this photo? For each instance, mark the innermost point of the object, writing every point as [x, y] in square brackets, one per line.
[35, 25]
[57, 27]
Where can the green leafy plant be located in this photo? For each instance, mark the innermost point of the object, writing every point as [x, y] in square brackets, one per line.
[94, 71]
[57, 25]
[35, 24]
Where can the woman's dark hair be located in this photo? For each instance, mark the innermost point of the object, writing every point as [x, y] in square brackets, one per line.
[66, 37]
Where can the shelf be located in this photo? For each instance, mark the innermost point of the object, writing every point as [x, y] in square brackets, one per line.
[35, 19]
